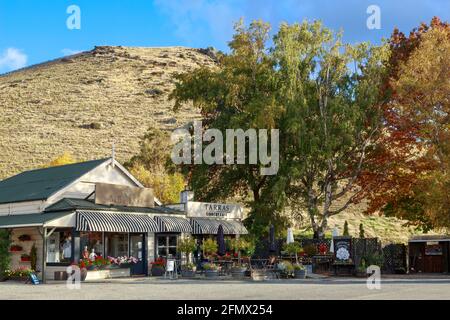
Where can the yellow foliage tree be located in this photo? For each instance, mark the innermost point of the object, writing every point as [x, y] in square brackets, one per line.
[166, 186]
[150, 167]
[65, 158]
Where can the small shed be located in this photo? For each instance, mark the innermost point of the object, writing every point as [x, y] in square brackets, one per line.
[429, 254]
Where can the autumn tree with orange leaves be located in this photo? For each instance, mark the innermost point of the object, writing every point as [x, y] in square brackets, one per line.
[409, 177]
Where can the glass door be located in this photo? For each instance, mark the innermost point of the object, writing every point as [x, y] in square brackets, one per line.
[137, 250]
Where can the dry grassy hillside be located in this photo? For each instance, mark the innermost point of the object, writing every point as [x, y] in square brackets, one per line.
[83, 102]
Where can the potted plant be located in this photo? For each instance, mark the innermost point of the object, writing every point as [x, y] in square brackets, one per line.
[299, 271]
[15, 248]
[25, 257]
[211, 270]
[188, 270]
[187, 246]
[292, 248]
[209, 247]
[158, 267]
[83, 270]
[239, 246]
[361, 270]
[25, 237]
[286, 269]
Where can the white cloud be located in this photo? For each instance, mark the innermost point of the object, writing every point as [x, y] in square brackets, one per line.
[12, 59]
[69, 52]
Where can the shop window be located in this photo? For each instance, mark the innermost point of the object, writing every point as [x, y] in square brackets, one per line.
[59, 247]
[91, 241]
[116, 244]
[166, 245]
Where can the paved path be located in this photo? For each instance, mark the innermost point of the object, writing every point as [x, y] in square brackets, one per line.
[151, 288]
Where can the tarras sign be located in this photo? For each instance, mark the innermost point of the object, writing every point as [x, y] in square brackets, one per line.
[213, 210]
[112, 194]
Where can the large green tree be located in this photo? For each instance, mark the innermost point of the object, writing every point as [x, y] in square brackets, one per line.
[323, 96]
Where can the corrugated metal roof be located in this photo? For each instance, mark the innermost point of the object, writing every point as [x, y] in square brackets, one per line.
[35, 219]
[41, 183]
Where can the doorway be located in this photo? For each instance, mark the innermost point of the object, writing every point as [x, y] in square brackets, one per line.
[138, 251]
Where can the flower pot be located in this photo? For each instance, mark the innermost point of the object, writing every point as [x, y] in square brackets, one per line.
[157, 271]
[259, 275]
[211, 274]
[83, 274]
[188, 273]
[361, 274]
[238, 272]
[300, 274]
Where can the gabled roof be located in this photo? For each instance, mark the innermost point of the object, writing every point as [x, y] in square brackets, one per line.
[40, 184]
[83, 204]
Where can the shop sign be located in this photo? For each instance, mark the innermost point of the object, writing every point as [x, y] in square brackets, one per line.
[214, 210]
[113, 194]
[342, 247]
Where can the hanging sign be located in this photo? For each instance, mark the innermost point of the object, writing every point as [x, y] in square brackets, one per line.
[342, 248]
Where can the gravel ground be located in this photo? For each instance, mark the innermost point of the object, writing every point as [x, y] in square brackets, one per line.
[315, 289]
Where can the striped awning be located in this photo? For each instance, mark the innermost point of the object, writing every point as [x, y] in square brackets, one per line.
[99, 221]
[173, 224]
[211, 226]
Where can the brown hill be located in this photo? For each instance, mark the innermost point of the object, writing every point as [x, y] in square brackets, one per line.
[83, 102]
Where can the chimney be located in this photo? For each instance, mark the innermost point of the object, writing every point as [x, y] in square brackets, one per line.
[186, 196]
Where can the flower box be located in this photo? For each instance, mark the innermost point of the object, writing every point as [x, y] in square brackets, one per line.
[157, 271]
[15, 248]
[25, 258]
[107, 274]
[24, 237]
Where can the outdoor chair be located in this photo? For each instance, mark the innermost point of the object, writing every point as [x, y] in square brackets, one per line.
[272, 267]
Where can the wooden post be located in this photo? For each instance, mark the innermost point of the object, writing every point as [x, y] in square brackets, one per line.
[44, 253]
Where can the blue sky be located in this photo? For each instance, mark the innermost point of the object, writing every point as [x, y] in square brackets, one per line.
[33, 31]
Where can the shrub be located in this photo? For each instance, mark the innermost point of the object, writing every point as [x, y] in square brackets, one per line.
[292, 248]
[5, 255]
[346, 233]
[209, 246]
[210, 266]
[33, 257]
[299, 266]
[361, 231]
[187, 246]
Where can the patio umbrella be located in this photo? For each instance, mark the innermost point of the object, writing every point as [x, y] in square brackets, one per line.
[272, 244]
[220, 242]
[290, 236]
[335, 233]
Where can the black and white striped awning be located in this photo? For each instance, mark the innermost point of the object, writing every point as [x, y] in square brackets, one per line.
[99, 221]
[173, 224]
[211, 226]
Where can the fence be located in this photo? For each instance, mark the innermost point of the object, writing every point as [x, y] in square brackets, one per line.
[391, 257]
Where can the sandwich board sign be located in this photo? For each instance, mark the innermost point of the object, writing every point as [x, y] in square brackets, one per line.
[33, 279]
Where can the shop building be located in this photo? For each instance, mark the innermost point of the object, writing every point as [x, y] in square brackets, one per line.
[429, 254]
[98, 206]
